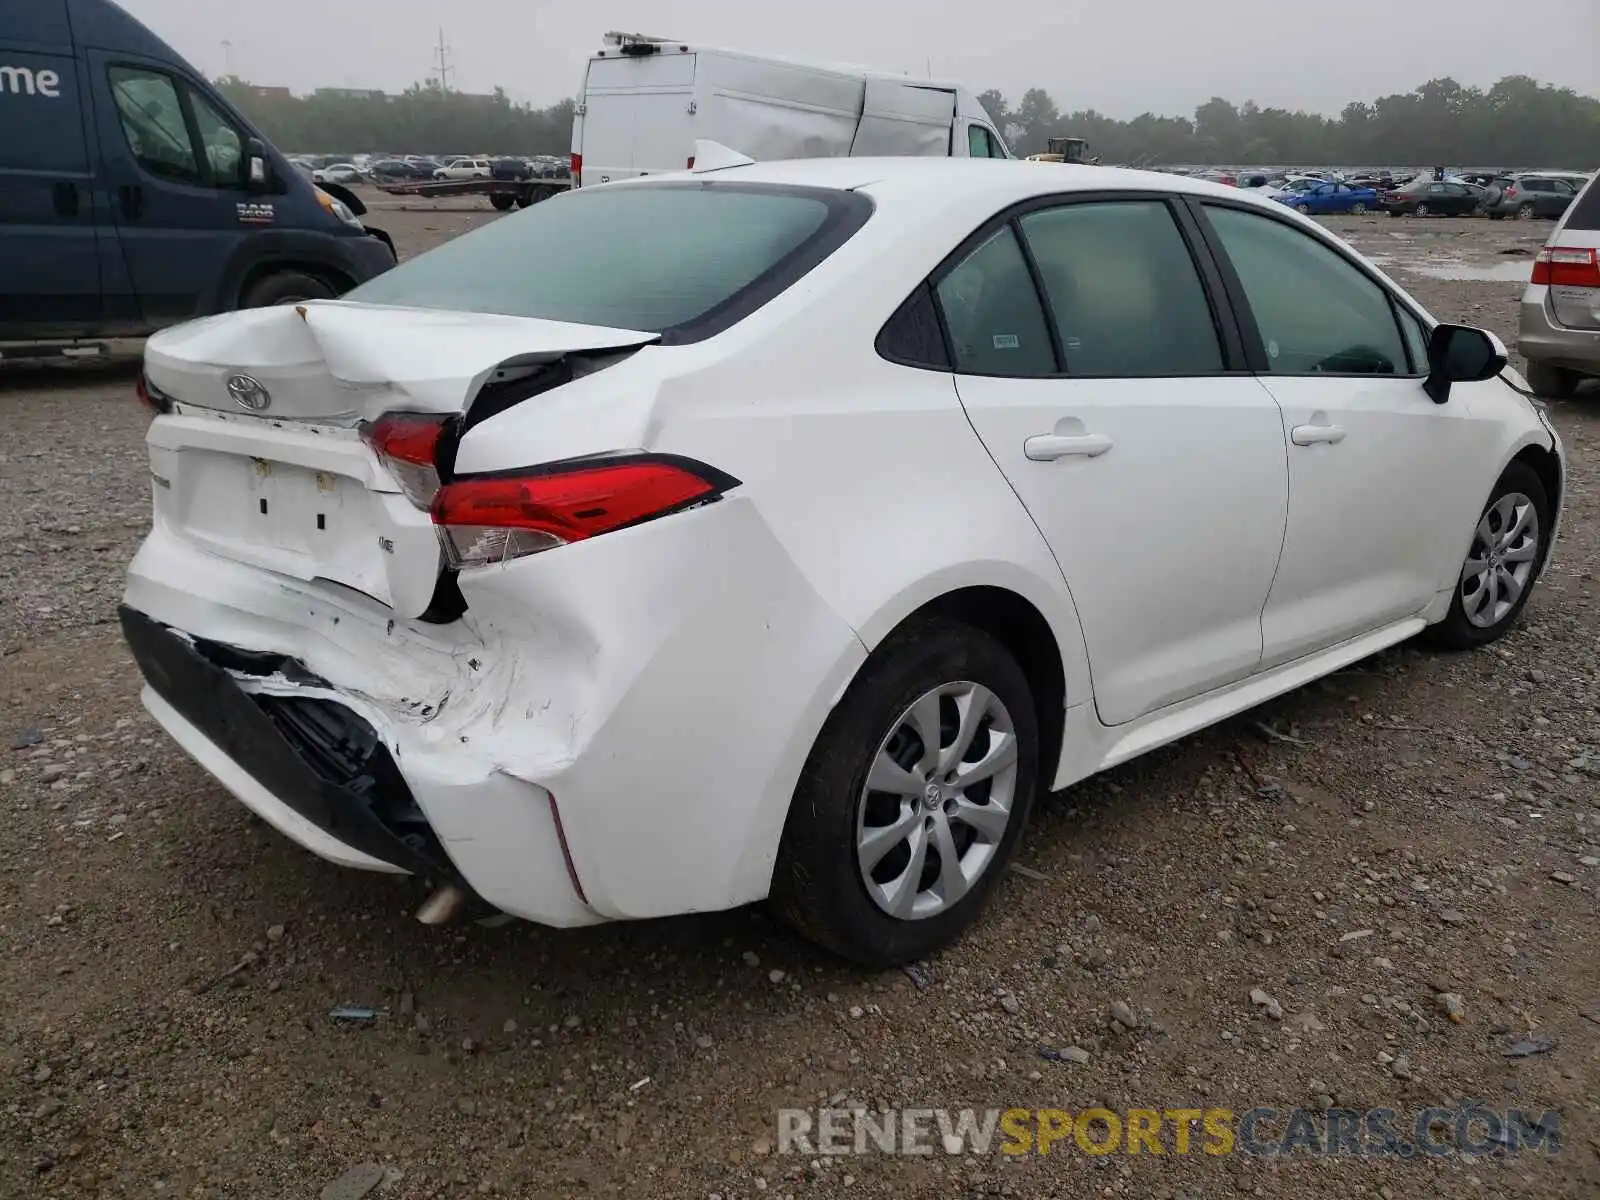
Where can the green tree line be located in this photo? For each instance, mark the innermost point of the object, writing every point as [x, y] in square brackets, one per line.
[424, 119]
[1517, 122]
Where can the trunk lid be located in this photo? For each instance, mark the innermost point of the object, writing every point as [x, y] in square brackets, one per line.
[262, 458]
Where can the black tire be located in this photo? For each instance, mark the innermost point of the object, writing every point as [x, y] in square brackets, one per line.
[1358, 209]
[527, 200]
[1554, 383]
[285, 287]
[1525, 212]
[817, 884]
[1303, 209]
[1456, 631]
[503, 201]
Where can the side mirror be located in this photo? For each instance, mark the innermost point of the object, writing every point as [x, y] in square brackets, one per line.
[256, 171]
[1461, 354]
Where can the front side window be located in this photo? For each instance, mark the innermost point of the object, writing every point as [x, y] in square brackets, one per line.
[680, 259]
[1123, 290]
[153, 123]
[223, 147]
[980, 144]
[1416, 339]
[992, 312]
[1316, 312]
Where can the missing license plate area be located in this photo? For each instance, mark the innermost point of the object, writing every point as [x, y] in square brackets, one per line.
[293, 497]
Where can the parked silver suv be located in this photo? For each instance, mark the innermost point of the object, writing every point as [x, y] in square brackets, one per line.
[1560, 319]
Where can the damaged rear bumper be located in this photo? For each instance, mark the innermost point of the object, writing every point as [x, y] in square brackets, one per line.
[316, 770]
[316, 759]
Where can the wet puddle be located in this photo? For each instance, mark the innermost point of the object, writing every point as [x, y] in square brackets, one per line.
[1515, 270]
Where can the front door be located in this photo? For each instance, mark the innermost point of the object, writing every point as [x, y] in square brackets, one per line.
[1375, 490]
[175, 166]
[49, 262]
[1156, 475]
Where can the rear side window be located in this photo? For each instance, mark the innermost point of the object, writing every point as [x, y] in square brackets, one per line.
[682, 260]
[1585, 211]
[1123, 290]
[992, 311]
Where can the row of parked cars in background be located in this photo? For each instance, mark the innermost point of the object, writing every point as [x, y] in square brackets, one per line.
[386, 168]
[1522, 195]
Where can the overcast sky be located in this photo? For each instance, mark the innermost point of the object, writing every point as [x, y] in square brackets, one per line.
[1122, 57]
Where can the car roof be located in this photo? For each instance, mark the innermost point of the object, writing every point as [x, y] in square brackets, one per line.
[1002, 181]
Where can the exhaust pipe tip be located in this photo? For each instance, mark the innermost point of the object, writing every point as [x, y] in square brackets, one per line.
[445, 905]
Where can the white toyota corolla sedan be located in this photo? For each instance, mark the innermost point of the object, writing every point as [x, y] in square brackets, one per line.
[782, 530]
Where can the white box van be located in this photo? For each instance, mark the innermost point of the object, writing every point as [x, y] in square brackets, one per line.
[646, 101]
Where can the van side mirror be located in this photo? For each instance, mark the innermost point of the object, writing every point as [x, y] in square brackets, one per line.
[256, 177]
[1461, 354]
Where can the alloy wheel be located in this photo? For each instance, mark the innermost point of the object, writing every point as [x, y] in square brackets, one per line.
[1500, 564]
[938, 800]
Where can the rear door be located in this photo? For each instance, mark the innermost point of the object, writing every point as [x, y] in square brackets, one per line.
[905, 119]
[1460, 198]
[1553, 200]
[174, 164]
[1152, 463]
[636, 116]
[49, 262]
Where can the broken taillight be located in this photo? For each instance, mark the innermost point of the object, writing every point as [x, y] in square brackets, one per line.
[408, 444]
[151, 396]
[495, 518]
[1566, 266]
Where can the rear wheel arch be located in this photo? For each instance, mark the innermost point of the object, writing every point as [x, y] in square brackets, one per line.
[1049, 653]
[1022, 629]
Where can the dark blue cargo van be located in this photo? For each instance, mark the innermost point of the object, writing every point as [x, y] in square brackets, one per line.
[132, 196]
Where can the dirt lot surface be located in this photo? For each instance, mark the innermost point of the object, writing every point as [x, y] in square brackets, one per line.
[168, 964]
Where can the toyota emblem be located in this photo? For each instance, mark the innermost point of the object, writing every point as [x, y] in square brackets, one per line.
[248, 394]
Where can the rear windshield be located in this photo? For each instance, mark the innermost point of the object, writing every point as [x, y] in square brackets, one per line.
[685, 260]
[1585, 211]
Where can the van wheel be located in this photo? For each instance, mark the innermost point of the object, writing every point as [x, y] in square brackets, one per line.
[913, 798]
[285, 287]
[1553, 383]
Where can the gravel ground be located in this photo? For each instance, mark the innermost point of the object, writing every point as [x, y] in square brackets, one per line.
[168, 964]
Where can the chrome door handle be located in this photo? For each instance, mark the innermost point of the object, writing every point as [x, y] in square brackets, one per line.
[1312, 435]
[1047, 447]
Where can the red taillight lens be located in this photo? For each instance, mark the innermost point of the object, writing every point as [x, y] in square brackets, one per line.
[577, 166]
[408, 444]
[691, 162]
[1566, 266]
[1509, 192]
[491, 519]
[151, 396]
